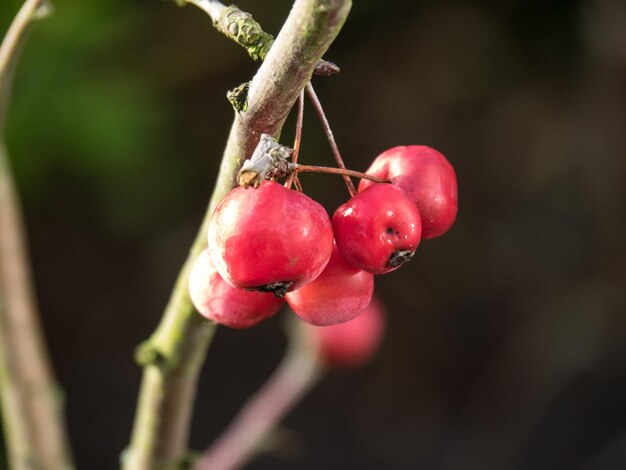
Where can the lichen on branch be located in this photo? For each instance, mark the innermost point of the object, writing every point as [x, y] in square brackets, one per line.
[237, 25]
[242, 28]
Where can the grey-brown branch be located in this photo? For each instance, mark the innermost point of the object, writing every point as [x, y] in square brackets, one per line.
[242, 28]
[173, 355]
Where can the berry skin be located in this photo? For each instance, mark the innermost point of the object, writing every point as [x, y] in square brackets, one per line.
[349, 344]
[378, 229]
[427, 177]
[269, 239]
[339, 294]
[226, 305]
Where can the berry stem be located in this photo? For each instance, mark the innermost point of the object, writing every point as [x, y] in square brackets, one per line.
[296, 180]
[297, 139]
[338, 171]
[331, 138]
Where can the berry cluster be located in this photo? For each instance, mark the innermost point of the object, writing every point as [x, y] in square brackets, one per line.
[269, 242]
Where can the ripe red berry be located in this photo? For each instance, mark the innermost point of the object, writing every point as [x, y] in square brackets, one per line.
[349, 344]
[226, 305]
[379, 229]
[269, 239]
[427, 177]
[339, 294]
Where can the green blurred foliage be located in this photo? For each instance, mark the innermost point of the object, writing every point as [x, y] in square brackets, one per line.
[81, 115]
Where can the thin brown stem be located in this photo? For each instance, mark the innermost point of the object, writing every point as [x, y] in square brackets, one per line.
[337, 171]
[298, 137]
[296, 374]
[298, 184]
[331, 138]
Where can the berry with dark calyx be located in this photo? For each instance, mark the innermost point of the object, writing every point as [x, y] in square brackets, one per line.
[378, 229]
[339, 294]
[269, 239]
[224, 304]
[427, 177]
[349, 344]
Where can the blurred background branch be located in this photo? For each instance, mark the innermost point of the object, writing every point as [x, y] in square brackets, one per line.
[33, 422]
[299, 370]
[11, 44]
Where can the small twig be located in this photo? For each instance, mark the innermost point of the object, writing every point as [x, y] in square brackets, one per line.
[325, 68]
[331, 138]
[237, 25]
[242, 28]
[297, 373]
[297, 139]
[337, 171]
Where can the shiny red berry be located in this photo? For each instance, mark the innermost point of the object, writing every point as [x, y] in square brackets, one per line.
[427, 177]
[224, 304]
[349, 344]
[269, 239]
[339, 294]
[379, 229]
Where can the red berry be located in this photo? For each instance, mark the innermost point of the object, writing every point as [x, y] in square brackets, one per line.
[270, 239]
[379, 229]
[350, 344]
[339, 294]
[226, 305]
[427, 177]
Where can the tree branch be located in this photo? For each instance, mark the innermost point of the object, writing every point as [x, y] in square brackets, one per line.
[238, 26]
[242, 28]
[34, 427]
[173, 355]
[11, 44]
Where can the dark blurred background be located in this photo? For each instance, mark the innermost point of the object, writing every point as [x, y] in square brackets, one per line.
[506, 337]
